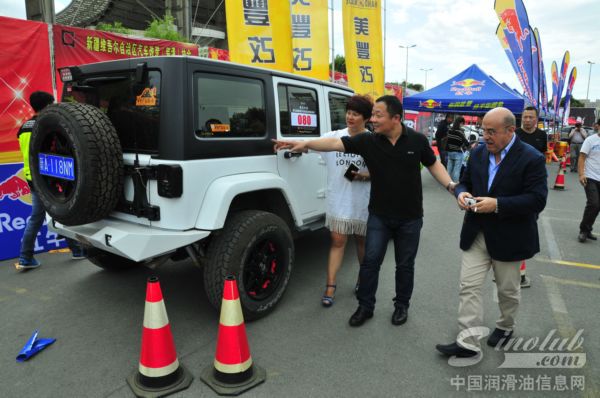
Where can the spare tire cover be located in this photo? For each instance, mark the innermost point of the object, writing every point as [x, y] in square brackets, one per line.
[81, 175]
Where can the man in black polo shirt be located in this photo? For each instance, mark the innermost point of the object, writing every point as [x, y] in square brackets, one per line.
[393, 156]
[529, 133]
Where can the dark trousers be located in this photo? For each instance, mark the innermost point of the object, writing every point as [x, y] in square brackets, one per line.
[592, 206]
[443, 158]
[380, 230]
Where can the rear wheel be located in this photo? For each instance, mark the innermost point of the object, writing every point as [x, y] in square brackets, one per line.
[257, 248]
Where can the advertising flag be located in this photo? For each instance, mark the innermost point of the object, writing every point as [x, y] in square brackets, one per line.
[535, 66]
[554, 72]
[562, 77]
[310, 38]
[515, 23]
[362, 46]
[568, 94]
[542, 73]
[259, 33]
[506, 48]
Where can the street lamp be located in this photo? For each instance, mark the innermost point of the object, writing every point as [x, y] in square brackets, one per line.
[587, 95]
[406, 78]
[426, 70]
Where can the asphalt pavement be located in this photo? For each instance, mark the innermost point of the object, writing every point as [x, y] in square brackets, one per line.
[307, 350]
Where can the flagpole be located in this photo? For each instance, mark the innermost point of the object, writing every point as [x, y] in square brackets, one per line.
[384, 40]
[332, 45]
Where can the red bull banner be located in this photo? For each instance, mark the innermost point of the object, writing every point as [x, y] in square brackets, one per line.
[362, 46]
[554, 73]
[15, 210]
[259, 33]
[542, 72]
[515, 23]
[310, 38]
[561, 79]
[504, 43]
[568, 94]
[25, 68]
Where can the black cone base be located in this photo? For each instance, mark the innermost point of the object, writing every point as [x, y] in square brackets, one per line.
[208, 376]
[182, 382]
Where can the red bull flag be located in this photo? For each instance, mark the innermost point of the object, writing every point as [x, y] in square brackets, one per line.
[515, 23]
[504, 43]
[554, 72]
[567, 108]
[561, 79]
[542, 73]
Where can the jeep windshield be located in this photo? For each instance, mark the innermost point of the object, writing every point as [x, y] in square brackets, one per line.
[133, 108]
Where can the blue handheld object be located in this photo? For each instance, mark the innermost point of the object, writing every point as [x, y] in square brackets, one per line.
[33, 346]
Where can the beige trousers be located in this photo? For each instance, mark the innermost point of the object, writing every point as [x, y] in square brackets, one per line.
[476, 263]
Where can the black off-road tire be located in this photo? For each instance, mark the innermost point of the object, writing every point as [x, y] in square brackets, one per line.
[109, 261]
[234, 250]
[86, 134]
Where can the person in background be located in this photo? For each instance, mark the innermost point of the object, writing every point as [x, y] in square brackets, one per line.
[576, 137]
[38, 101]
[589, 177]
[456, 144]
[529, 133]
[440, 138]
[503, 190]
[347, 200]
[393, 155]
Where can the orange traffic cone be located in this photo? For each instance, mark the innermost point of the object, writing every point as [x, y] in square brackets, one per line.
[568, 162]
[159, 373]
[233, 371]
[523, 268]
[554, 157]
[559, 183]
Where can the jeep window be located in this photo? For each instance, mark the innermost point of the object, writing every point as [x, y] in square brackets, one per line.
[227, 107]
[298, 111]
[133, 109]
[337, 110]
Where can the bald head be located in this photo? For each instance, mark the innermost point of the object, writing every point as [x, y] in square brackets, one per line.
[499, 126]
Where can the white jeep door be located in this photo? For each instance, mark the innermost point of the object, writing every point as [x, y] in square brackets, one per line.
[301, 115]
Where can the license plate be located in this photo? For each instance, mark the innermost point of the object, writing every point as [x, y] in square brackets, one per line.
[57, 166]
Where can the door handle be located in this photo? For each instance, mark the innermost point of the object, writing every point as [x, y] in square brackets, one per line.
[288, 154]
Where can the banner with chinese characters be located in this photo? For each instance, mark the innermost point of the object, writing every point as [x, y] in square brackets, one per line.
[25, 68]
[362, 46]
[75, 46]
[259, 33]
[310, 38]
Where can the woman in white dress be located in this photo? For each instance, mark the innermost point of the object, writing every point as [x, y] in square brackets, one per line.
[347, 201]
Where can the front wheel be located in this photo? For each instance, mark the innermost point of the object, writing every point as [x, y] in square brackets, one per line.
[257, 248]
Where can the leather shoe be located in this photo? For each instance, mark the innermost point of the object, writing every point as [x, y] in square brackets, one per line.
[400, 315]
[582, 237]
[454, 349]
[497, 335]
[360, 316]
[591, 236]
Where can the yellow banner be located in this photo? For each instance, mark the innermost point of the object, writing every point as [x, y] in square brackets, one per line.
[362, 46]
[310, 38]
[259, 33]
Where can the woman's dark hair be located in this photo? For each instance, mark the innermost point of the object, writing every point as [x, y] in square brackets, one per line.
[457, 122]
[361, 104]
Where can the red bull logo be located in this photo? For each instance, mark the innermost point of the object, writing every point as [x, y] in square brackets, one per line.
[15, 187]
[430, 104]
[513, 25]
[468, 83]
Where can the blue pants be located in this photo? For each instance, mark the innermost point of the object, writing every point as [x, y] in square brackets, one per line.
[455, 160]
[34, 224]
[380, 230]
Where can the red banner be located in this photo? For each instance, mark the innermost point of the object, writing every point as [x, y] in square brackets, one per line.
[25, 68]
[75, 46]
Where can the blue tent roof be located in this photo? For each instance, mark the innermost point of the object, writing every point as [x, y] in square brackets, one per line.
[470, 92]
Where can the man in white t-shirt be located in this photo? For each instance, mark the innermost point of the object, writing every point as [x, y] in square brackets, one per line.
[589, 177]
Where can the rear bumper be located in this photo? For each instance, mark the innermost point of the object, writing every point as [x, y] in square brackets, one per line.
[133, 241]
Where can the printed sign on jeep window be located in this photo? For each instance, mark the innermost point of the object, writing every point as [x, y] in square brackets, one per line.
[228, 107]
[298, 111]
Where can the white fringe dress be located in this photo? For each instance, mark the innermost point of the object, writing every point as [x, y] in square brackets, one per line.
[347, 202]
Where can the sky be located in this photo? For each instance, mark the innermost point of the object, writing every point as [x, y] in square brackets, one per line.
[450, 35]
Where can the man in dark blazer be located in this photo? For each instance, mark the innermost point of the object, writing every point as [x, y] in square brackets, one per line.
[503, 189]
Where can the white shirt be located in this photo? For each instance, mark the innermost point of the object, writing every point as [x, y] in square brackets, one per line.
[591, 147]
[345, 200]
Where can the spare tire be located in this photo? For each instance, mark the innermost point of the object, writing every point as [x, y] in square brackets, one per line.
[81, 137]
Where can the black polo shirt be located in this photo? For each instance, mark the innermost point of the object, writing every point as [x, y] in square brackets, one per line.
[396, 189]
[538, 139]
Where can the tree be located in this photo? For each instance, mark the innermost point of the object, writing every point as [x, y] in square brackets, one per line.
[575, 103]
[115, 27]
[340, 64]
[165, 29]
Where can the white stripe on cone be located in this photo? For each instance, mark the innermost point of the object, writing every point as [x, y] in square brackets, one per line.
[159, 372]
[237, 368]
[155, 315]
[231, 313]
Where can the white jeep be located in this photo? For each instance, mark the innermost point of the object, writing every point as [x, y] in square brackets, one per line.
[152, 159]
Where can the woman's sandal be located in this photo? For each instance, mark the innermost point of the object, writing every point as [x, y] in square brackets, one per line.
[327, 301]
